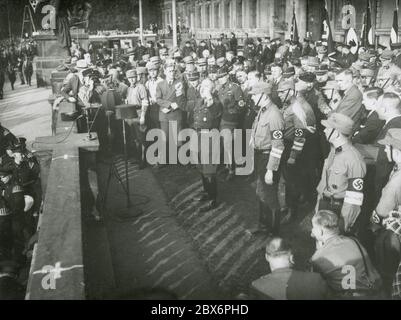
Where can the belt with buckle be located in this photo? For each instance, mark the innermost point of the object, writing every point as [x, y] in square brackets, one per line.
[333, 200]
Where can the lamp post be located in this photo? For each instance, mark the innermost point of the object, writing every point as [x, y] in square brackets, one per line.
[8, 19]
[174, 11]
[140, 21]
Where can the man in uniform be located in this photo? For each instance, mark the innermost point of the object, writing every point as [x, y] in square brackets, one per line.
[302, 145]
[335, 252]
[387, 216]
[6, 139]
[341, 186]
[267, 142]
[231, 97]
[285, 283]
[138, 96]
[12, 215]
[153, 80]
[204, 117]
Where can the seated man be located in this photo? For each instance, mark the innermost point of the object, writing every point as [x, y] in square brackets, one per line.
[342, 261]
[285, 283]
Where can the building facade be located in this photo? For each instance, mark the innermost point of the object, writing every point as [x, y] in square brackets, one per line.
[273, 17]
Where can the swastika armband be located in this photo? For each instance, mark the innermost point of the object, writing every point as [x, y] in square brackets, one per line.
[277, 135]
[299, 133]
[354, 193]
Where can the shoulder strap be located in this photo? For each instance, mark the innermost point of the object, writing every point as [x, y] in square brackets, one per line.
[363, 255]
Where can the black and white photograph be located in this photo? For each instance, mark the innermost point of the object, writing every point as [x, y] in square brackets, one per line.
[218, 151]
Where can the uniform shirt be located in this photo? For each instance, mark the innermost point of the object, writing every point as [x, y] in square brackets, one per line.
[342, 178]
[289, 284]
[337, 253]
[391, 195]
[232, 99]
[268, 133]
[151, 85]
[138, 95]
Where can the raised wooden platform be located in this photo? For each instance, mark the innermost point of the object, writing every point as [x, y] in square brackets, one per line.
[58, 264]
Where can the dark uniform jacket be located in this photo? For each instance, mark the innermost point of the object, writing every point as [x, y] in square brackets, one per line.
[289, 284]
[6, 139]
[231, 97]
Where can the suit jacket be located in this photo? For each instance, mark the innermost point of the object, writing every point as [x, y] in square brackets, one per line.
[267, 56]
[166, 95]
[351, 105]
[370, 130]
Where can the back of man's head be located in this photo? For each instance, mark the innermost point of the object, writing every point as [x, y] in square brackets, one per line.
[392, 102]
[277, 247]
[327, 220]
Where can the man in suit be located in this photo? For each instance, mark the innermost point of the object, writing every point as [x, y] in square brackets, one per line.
[267, 55]
[389, 110]
[170, 96]
[368, 132]
[351, 103]
[285, 283]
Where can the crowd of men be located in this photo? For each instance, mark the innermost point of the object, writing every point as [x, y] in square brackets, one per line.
[16, 59]
[326, 128]
[20, 202]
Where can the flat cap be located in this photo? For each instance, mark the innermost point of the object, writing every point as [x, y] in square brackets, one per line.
[202, 62]
[141, 70]
[340, 122]
[307, 77]
[387, 55]
[289, 72]
[152, 66]
[82, 64]
[395, 46]
[131, 73]
[367, 72]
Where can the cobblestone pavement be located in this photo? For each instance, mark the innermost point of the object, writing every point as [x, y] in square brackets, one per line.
[220, 236]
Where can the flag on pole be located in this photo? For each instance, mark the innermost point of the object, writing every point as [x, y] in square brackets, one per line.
[394, 28]
[327, 36]
[294, 28]
[367, 31]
